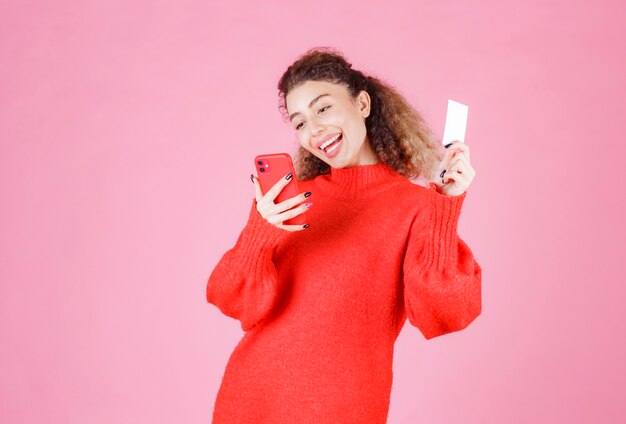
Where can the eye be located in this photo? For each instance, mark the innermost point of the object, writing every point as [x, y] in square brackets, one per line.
[323, 109]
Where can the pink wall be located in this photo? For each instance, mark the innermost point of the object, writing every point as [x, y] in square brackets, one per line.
[128, 133]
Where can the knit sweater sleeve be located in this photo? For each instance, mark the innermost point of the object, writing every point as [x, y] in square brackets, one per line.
[243, 284]
[441, 277]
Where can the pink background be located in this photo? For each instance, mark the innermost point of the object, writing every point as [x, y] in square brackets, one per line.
[128, 134]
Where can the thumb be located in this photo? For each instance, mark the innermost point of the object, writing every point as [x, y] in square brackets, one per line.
[257, 188]
[442, 166]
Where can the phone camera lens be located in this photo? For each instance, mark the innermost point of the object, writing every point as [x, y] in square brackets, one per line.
[262, 169]
[260, 162]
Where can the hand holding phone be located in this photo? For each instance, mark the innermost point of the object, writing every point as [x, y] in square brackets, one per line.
[277, 195]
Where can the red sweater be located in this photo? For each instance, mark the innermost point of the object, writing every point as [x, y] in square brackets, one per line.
[321, 308]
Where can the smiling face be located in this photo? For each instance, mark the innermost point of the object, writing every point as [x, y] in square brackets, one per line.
[330, 123]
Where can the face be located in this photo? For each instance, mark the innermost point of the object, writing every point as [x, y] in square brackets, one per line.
[330, 123]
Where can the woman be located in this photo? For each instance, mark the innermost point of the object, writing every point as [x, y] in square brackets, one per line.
[322, 304]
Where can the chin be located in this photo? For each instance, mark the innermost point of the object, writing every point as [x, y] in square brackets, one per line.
[336, 162]
[340, 164]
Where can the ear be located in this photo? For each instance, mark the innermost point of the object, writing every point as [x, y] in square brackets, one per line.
[363, 102]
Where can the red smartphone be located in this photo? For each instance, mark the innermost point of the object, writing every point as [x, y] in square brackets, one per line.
[271, 168]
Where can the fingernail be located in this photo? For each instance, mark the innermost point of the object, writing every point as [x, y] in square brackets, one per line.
[308, 204]
[442, 173]
[307, 194]
[448, 145]
[306, 225]
[288, 177]
[252, 178]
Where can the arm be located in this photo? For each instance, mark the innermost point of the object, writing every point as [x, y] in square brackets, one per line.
[243, 284]
[441, 278]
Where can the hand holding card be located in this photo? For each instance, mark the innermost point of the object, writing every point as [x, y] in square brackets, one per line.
[456, 122]
[455, 172]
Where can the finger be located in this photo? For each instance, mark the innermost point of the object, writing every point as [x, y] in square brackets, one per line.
[284, 216]
[456, 167]
[462, 147]
[445, 162]
[292, 227]
[258, 193]
[273, 192]
[460, 155]
[465, 167]
[289, 203]
[456, 178]
[455, 161]
[462, 168]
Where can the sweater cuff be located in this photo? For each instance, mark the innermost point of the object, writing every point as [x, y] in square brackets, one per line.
[259, 235]
[446, 211]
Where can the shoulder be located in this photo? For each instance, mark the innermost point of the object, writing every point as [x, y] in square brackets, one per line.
[423, 202]
[417, 189]
[405, 198]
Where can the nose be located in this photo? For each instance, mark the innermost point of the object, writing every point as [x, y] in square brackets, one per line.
[314, 127]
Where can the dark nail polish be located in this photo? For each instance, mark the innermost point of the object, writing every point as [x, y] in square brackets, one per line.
[252, 178]
[307, 194]
[442, 173]
[306, 225]
[448, 145]
[288, 177]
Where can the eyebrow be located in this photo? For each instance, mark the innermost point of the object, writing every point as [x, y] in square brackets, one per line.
[310, 105]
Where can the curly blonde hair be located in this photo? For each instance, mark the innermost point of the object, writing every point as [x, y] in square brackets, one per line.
[398, 134]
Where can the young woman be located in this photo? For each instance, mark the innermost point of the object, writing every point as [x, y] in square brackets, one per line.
[322, 304]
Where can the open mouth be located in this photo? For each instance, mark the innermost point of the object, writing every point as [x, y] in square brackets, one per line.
[331, 144]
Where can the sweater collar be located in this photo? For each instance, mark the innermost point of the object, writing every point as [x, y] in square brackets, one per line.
[356, 181]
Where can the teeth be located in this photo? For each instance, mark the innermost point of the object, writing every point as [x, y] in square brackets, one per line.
[332, 149]
[326, 144]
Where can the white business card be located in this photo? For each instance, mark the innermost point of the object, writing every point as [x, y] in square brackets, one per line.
[456, 122]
